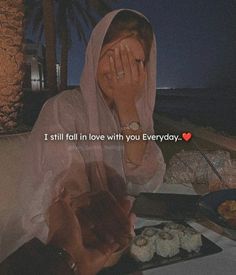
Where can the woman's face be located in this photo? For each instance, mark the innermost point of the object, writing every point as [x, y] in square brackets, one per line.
[108, 50]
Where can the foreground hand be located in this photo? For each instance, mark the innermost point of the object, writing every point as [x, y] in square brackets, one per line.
[126, 205]
[65, 232]
[103, 220]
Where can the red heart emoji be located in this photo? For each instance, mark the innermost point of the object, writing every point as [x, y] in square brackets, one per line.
[186, 136]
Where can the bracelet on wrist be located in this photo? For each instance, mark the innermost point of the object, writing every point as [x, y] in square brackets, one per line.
[133, 125]
[62, 254]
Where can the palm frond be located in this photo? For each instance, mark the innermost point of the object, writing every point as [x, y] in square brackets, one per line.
[81, 33]
[101, 7]
[37, 19]
[77, 24]
[61, 17]
[31, 6]
[40, 33]
[81, 10]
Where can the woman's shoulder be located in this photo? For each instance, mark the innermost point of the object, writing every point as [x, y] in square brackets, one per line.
[72, 97]
[68, 101]
[63, 108]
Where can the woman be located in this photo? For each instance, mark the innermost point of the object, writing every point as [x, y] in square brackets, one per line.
[116, 95]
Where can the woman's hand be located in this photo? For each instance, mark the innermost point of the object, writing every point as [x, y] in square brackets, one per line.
[65, 232]
[126, 78]
[126, 205]
[103, 220]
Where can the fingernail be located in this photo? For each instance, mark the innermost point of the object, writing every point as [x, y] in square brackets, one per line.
[122, 46]
[127, 47]
[116, 50]
[111, 59]
[114, 246]
[57, 199]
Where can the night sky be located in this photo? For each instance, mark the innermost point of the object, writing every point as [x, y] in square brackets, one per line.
[196, 42]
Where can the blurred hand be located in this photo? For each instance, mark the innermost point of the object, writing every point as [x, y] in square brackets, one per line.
[65, 232]
[103, 220]
[126, 205]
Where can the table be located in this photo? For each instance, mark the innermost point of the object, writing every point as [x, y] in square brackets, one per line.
[223, 263]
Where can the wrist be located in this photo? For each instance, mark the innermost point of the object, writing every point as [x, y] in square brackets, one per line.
[127, 113]
[72, 248]
[62, 256]
[125, 106]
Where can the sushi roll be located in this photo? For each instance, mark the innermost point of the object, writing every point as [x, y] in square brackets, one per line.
[175, 228]
[150, 234]
[167, 244]
[142, 249]
[191, 240]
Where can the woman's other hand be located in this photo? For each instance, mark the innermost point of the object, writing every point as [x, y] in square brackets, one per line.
[103, 220]
[126, 205]
[65, 232]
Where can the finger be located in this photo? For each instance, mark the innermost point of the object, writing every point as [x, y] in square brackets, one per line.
[111, 248]
[63, 213]
[61, 219]
[108, 81]
[133, 65]
[125, 60]
[126, 205]
[112, 69]
[118, 62]
[108, 248]
[108, 76]
[80, 201]
[132, 218]
[142, 71]
[64, 196]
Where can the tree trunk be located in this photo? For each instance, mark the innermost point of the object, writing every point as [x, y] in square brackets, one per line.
[64, 58]
[11, 58]
[50, 41]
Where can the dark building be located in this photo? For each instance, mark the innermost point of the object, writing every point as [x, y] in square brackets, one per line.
[35, 67]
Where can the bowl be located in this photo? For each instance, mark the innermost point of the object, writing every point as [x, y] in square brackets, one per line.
[208, 205]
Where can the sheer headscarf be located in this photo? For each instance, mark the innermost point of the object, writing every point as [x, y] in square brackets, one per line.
[100, 117]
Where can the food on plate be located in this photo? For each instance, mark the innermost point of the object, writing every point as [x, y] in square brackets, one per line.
[227, 209]
[174, 228]
[142, 249]
[191, 240]
[150, 234]
[167, 244]
[165, 241]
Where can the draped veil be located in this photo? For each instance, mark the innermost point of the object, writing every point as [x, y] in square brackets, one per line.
[82, 165]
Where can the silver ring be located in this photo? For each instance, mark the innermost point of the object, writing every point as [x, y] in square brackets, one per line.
[120, 74]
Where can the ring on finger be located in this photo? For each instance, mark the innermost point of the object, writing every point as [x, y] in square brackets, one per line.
[120, 74]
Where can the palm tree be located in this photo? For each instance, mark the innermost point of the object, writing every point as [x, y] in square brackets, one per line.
[41, 15]
[69, 15]
[50, 41]
[72, 14]
[11, 56]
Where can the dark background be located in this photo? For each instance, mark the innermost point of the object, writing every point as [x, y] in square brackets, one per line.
[196, 48]
[196, 42]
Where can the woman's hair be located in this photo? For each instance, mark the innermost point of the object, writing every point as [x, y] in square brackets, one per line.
[130, 22]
